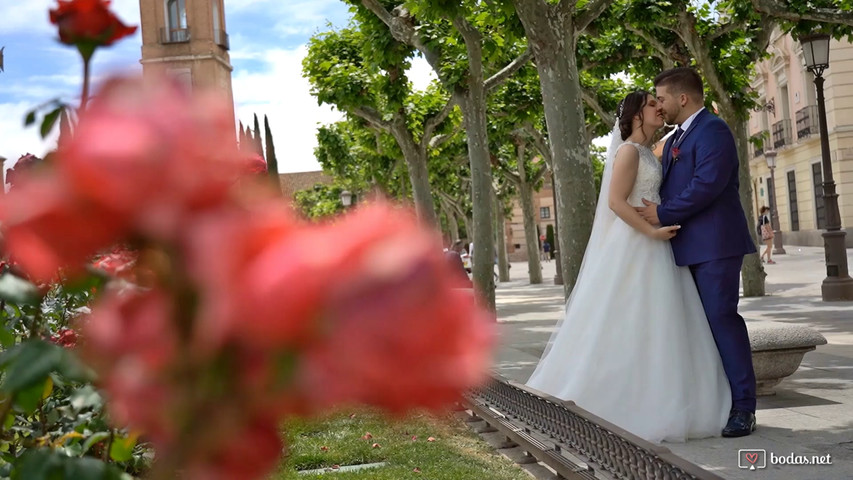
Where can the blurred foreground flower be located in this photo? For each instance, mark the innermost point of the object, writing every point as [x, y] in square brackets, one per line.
[239, 321]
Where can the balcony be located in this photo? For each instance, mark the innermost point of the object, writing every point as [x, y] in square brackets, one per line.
[221, 39]
[759, 142]
[807, 122]
[781, 133]
[174, 35]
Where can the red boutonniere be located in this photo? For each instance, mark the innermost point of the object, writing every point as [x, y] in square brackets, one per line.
[675, 152]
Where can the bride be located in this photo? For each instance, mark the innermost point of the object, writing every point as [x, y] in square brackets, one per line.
[634, 346]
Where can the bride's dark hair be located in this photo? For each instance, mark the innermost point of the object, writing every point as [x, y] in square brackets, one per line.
[632, 105]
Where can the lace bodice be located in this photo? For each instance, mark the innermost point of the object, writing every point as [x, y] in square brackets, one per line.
[649, 176]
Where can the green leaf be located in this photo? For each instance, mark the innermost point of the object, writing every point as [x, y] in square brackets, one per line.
[27, 399]
[30, 118]
[7, 338]
[121, 450]
[31, 363]
[17, 290]
[49, 120]
[95, 438]
[45, 464]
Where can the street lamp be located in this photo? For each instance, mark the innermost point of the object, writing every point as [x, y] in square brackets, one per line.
[346, 198]
[837, 285]
[778, 249]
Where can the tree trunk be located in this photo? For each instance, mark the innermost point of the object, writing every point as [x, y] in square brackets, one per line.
[474, 114]
[500, 237]
[452, 225]
[752, 273]
[550, 31]
[416, 161]
[531, 238]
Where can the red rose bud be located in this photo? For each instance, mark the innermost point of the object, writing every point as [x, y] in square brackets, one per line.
[88, 21]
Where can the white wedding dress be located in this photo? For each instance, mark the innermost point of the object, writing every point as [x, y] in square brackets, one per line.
[634, 346]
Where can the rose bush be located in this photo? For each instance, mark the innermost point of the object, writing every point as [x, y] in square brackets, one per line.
[200, 303]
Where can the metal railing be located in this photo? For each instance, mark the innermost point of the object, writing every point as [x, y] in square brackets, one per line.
[782, 133]
[554, 432]
[174, 35]
[807, 121]
[221, 39]
[759, 151]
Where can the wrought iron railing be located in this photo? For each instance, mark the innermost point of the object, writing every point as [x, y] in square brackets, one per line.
[782, 133]
[807, 121]
[554, 432]
[174, 35]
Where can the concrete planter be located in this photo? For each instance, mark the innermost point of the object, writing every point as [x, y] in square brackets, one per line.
[777, 351]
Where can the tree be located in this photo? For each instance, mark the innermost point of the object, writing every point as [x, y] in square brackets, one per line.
[272, 161]
[552, 30]
[804, 16]
[424, 25]
[363, 73]
[515, 105]
[364, 158]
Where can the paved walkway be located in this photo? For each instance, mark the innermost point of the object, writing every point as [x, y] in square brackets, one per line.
[812, 413]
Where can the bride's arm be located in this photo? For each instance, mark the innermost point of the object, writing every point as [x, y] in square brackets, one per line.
[625, 167]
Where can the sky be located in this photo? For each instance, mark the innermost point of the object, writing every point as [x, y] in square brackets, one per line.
[268, 42]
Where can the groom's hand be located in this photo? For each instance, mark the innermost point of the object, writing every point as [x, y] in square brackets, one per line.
[649, 212]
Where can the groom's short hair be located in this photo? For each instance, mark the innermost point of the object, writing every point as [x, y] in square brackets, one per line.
[682, 80]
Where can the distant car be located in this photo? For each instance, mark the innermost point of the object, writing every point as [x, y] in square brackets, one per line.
[466, 261]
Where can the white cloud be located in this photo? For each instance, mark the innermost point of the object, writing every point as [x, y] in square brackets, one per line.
[17, 140]
[280, 92]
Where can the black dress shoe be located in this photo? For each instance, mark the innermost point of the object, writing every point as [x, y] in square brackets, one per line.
[741, 423]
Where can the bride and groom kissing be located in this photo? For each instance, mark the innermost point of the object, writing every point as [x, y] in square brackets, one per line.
[651, 339]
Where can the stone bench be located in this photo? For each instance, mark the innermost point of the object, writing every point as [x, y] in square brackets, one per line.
[777, 351]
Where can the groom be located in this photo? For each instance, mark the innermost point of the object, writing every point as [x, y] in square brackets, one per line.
[700, 193]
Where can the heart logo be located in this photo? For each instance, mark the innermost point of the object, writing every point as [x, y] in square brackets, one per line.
[752, 457]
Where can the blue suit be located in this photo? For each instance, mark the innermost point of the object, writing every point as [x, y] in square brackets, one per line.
[700, 192]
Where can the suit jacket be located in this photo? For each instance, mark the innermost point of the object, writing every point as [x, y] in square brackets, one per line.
[700, 192]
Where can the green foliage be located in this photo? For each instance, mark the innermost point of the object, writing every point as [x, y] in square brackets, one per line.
[597, 155]
[53, 420]
[320, 202]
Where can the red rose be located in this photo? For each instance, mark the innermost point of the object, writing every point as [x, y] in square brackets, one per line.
[88, 21]
[675, 152]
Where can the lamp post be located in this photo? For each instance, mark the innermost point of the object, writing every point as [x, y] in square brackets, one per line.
[346, 198]
[778, 249]
[837, 285]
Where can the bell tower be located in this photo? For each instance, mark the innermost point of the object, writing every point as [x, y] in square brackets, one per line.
[187, 40]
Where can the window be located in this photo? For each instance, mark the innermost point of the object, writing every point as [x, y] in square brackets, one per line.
[820, 209]
[544, 212]
[176, 14]
[792, 202]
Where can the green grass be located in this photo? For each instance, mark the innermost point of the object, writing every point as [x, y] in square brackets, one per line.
[456, 453]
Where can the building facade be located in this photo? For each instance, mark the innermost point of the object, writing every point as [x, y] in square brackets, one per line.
[787, 121]
[187, 39]
[543, 208]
